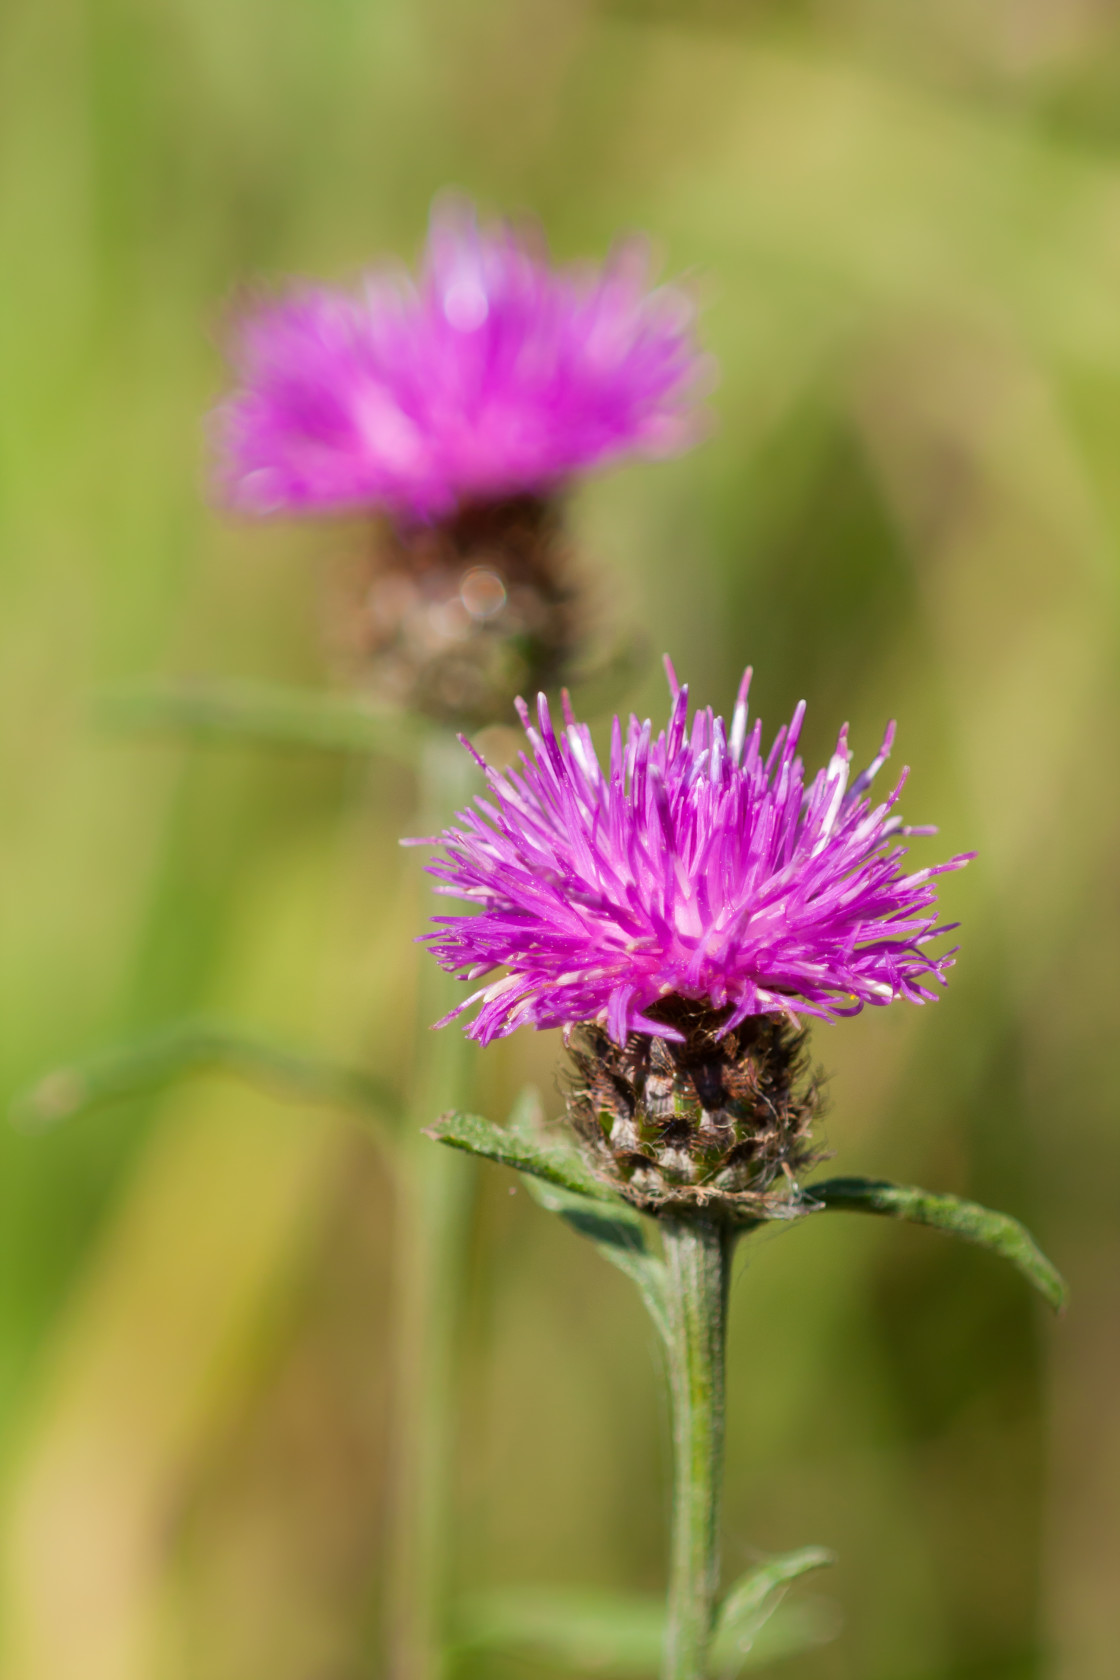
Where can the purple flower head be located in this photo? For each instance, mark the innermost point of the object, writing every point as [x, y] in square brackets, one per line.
[492, 375]
[694, 867]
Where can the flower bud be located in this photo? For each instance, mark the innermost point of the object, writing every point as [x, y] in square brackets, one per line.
[697, 1119]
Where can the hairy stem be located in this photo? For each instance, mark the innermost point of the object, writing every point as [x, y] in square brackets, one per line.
[698, 1252]
[435, 1193]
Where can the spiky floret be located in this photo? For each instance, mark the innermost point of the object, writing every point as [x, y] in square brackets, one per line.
[693, 866]
[493, 375]
[705, 1117]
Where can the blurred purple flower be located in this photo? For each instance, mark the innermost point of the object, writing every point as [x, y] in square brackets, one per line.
[694, 868]
[493, 375]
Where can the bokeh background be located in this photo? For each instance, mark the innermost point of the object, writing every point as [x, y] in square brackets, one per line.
[904, 223]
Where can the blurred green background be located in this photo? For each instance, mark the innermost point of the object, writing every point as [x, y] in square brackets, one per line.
[905, 224]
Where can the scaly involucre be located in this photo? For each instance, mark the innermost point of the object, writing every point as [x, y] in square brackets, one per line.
[494, 375]
[692, 867]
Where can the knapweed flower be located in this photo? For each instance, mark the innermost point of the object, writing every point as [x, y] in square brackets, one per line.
[694, 866]
[457, 407]
[493, 375]
[678, 912]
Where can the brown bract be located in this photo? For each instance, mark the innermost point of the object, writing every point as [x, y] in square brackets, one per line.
[700, 1121]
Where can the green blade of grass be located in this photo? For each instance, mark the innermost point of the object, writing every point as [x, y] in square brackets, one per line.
[263, 714]
[188, 1047]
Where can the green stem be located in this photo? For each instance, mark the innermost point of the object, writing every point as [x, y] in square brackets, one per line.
[435, 1193]
[698, 1252]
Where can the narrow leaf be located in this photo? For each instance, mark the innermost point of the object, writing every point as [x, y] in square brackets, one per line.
[146, 1064]
[555, 1164]
[749, 1594]
[975, 1224]
[751, 1604]
[266, 715]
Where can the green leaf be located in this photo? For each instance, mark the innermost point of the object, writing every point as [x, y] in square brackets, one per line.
[616, 1636]
[975, 1224]
[749, 1607]
[146, 1064]
[552, 1162]
[265, 714]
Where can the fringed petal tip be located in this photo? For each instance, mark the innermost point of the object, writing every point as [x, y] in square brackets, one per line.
[493, 373]
[696, 868]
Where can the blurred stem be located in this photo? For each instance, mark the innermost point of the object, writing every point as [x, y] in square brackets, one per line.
[698, 1252]
[435, 1193]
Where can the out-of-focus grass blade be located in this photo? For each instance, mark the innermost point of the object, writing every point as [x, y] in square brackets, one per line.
[265, 715]
[750, 1607]
[975, 1224]
[556, 1165]
[574, 1628]
[618, 1637]
[146, 1064]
